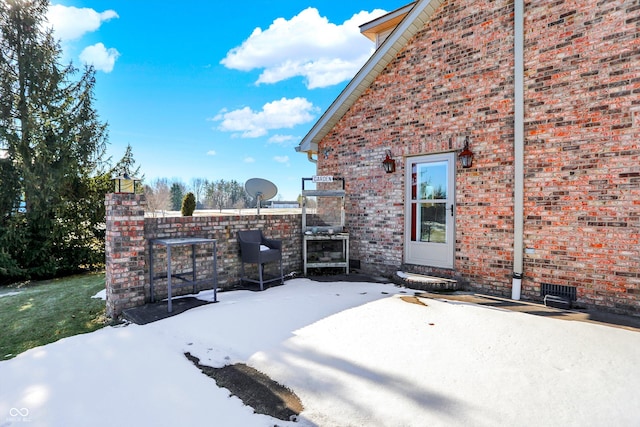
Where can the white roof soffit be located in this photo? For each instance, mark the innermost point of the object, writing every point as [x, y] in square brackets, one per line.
[391, 19]
[399, 38]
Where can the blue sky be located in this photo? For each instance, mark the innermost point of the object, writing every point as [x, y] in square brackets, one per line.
[216, 90]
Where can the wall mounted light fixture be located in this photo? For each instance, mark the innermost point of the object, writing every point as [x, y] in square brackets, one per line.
[466, 156]
[388, 163]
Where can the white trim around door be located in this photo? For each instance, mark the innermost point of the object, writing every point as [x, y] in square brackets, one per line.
[430, 210]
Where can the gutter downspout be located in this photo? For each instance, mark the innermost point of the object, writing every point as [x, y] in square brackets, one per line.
[309, 155]
[518, 161]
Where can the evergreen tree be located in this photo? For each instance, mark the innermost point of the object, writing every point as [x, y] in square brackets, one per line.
[188, 204]
[127, 166]
[177, 193]
[55, 143]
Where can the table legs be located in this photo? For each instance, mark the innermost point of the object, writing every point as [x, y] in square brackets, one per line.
[169, 308]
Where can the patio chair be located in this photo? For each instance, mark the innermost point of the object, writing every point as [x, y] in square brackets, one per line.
[257, 249]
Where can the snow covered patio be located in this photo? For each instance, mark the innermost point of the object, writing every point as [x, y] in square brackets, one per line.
[357, 354]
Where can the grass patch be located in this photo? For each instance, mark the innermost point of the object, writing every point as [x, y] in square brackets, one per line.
[39, 313]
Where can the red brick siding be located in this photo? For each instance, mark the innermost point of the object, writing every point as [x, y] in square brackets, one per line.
[455, 78]
[124, 252]
[582, 149]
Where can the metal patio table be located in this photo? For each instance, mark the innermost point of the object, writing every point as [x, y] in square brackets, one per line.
[183, 276]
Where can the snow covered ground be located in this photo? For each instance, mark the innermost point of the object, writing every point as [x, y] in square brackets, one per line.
[355, 353]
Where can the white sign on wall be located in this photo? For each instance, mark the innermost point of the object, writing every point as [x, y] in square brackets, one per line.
[322, 178]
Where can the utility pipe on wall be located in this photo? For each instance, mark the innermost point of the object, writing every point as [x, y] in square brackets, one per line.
[518, 146]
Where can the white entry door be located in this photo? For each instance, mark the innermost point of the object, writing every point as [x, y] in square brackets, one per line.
[430, 210]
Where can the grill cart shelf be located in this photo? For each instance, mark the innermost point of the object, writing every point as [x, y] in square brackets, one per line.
[325, 242]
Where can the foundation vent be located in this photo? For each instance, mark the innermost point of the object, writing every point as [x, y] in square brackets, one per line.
[562, 291]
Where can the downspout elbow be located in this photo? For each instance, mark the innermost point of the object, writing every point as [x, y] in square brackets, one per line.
[309, 154]
[516, 286]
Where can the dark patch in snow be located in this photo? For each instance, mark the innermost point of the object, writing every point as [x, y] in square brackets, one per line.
[255, 389]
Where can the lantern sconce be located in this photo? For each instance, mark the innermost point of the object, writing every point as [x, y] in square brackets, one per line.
[389, 163]
[125, 184]
[466, 156]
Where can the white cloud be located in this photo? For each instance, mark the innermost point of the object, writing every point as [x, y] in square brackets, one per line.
[283, 139]
[307, 45]
[282, 159]
[71, 23]
[283, 113]
[100, 57]
[249, 160]
[211, 153]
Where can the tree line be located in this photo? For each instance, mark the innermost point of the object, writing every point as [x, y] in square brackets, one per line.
[164, 194]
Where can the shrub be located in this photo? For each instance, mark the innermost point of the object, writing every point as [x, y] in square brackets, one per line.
[188, 204]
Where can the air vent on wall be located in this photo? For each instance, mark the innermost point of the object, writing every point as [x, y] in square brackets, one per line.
[562, 291]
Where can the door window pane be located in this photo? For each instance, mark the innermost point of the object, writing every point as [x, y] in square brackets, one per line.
[429, 181]
[433, 222]
[429, 222]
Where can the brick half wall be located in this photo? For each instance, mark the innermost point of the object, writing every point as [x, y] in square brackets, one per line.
[127, 248]
[224, 229]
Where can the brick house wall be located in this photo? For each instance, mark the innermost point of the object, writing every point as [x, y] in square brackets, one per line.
[582, 117]
[582, 188]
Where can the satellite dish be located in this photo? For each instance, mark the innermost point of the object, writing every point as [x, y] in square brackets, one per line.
[261, 189]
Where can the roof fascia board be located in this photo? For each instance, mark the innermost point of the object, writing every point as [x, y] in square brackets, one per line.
[413, 22]
[384, 22]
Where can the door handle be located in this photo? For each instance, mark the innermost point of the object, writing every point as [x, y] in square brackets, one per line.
[451, 209]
